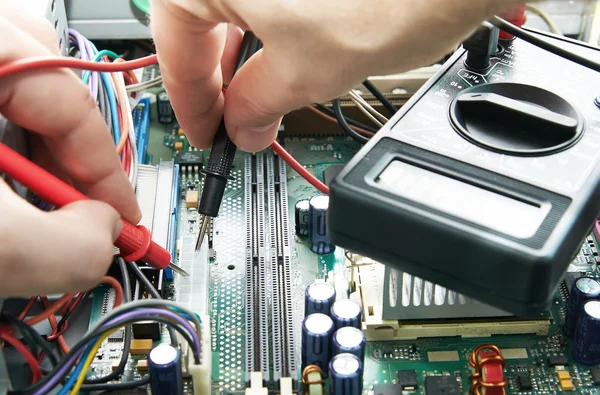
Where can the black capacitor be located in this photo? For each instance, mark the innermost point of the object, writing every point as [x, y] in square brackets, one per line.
[164, 366]
[583, 289]
[346, 312]
[317, 227]
[301, 212]
[350, 340]
[316, 341]
[346, 371]
[586, 345]
[165, 110]
[318, 298]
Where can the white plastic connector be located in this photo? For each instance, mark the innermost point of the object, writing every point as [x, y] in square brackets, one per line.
[256, 385]
[285, 386]
[201, 374]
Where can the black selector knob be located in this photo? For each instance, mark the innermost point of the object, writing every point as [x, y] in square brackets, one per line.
[480, 46]
[516, 119]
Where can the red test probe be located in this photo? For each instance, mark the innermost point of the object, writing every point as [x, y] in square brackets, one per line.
[134, 242]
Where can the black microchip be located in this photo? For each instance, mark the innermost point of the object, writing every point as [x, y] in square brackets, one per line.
[408, 379]
[557, 360]
[525, 383]
[190, 158]
[146, 330]
[331, 172]
[595, 372]
[441, 385]
[387, 389]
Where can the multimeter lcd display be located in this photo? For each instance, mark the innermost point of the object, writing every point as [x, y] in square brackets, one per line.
[463, 200]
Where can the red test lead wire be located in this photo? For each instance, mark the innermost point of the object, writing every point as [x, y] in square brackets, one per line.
[134, 242]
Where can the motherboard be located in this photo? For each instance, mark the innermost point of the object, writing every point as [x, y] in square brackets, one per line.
[250, 279]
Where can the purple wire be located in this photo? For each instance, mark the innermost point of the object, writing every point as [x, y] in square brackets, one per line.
[53, 382]
[87, 53]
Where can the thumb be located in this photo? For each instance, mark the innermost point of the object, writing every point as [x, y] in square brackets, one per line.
[259, 95]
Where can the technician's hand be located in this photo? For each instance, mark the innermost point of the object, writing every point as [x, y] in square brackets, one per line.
[314, 50]
[69, 249]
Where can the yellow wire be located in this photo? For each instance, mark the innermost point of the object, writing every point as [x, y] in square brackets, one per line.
[90, 359]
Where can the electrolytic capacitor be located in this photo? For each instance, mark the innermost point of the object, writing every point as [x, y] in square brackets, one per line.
[301, 215]
[164, 366]
[586, 345]
[346, 312]
[350, 340]
[316, 341]
[317, 227]
[319, 297]
[346, 372]
[584, 289]
[165, 110]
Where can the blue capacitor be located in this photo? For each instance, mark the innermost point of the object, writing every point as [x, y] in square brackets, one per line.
[318, 298]
[586, 345]
[317, 225]
[351, 341]
[584, 289]
[346, 372]
[164, 366]
[346, 312]
[316, 341]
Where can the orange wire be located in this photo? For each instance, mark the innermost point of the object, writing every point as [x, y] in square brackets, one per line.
[24, 351]
[332, 119]
[130, 73]
[40, 62]
[50, 310]
[26, 309]
[116, 286]
[54, 324]
[127, 77]
[294, 164]
[123, 118]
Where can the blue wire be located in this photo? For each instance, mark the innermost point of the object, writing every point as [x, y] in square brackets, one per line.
[113, 107]
[65, 389]
[112, 101]
[97, 58]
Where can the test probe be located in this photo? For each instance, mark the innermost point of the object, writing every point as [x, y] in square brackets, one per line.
[221, 157]
[135, 242]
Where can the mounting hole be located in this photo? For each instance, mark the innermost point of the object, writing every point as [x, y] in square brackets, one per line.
[230, 267]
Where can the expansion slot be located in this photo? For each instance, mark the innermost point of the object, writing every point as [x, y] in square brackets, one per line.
[257, 325]
[284, 356]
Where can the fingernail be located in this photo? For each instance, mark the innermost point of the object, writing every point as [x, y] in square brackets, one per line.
[117, 229]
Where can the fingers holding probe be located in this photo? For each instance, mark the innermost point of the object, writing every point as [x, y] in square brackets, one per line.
[46, 253]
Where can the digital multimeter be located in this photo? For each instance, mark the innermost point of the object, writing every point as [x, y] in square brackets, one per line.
[485, 182]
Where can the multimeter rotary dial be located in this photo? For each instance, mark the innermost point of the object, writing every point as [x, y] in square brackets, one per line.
[516, 119]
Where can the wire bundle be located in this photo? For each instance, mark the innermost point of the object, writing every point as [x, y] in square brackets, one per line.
[71, 371]
[111, 94]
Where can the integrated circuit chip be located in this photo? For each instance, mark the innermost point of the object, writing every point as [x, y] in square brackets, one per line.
[525, 383]
[387, 389]
[190, 158]
[441, 385]
[595, 372]
[557, 360]
[407, 379]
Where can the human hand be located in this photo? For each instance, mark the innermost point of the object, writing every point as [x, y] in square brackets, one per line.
[314, 51]
[69, 249]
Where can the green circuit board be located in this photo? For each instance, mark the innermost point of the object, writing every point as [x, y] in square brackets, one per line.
[527, 355]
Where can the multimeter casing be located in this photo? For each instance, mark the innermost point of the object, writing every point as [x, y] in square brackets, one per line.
[499, 227]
